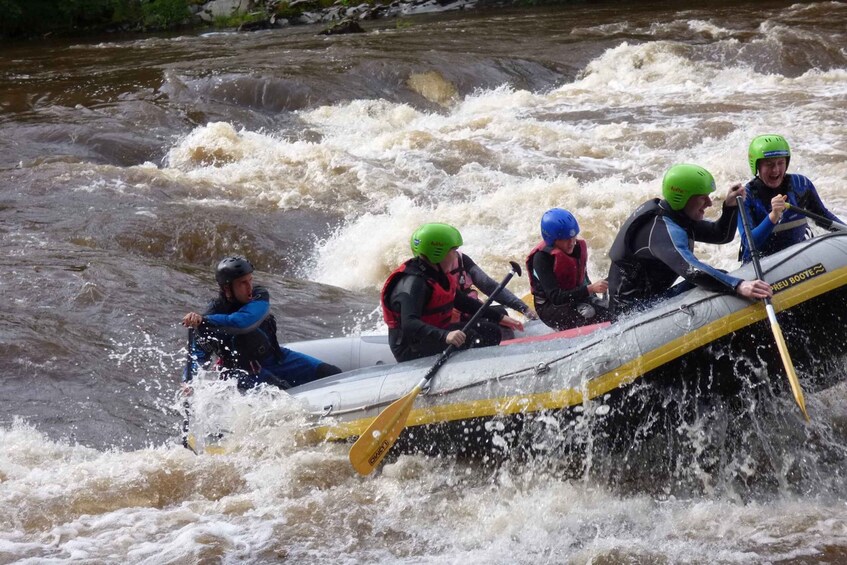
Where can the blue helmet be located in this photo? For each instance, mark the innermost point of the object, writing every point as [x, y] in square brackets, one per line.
[558, 224]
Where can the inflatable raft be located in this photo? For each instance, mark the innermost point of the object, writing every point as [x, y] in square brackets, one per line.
[700, 344]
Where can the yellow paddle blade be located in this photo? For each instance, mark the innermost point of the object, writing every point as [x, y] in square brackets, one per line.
[375, 442]
[529, 300]
[789, 368]
[209, 447]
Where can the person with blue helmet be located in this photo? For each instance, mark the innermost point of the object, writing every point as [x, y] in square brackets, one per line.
[655, 246]
[239, 330]
[564, 296]
[774, 227]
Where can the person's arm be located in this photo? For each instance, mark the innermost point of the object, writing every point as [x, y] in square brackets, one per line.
[542, 266]
[488, 285]
[669, 244]
[245, 319]
[409, 297]
[719, 232]
[468, 305]
[762, 231]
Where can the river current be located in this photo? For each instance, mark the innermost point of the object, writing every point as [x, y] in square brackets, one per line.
[129, 166]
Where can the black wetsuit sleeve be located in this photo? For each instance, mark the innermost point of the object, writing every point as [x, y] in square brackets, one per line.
[409, 297]
[542, 266]
[468, 305]
[488, 285]
[669, 243]
[719, 232]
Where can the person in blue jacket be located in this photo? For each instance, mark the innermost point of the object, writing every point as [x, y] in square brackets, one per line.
[774, 227]
[239, 330]
[655, 246]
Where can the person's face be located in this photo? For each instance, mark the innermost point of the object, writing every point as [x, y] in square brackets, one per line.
[450, 261]
[565, 245]
[772, 171]
[241, 289]
[696, 206]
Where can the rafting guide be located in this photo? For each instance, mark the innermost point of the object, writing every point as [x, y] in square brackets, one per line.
[655, 245]
[239, 330]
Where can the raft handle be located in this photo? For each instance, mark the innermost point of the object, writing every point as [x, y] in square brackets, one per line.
[542, 368]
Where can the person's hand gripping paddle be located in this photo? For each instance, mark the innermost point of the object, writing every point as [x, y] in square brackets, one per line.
[375, 442]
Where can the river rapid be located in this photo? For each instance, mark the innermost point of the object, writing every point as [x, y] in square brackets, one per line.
[131, 165]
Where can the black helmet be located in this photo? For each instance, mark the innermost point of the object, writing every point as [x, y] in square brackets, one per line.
[232, 268]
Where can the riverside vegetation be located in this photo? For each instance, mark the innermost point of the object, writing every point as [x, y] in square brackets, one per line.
[43, 18]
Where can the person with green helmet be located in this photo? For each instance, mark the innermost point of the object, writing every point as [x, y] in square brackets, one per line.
[418, 299]
[774, 227]
[655, 245]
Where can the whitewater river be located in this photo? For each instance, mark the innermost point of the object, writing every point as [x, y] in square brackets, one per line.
[129, 166]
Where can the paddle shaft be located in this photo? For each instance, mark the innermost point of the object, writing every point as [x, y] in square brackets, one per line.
[775, 328]
[186, 403]
[442, 357]
[822, 221]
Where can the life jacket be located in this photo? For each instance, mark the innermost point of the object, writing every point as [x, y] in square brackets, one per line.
[465, 284]
[247, 351]
[629, 278]
[793, 227]
[437, 312]
[569, 269]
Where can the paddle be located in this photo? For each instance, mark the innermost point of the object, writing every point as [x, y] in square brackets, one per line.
[777, 331]
[186, 402]
[375, 441]
[822, 221]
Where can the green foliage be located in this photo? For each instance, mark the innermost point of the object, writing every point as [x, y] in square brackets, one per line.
[164, 14]
[237, 19]
[39, 17]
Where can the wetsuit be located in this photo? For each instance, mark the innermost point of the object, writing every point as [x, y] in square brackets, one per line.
[559, 284]
[655, 246]
[792, 227]
[470, 275]
[243, 338]
[417, 303]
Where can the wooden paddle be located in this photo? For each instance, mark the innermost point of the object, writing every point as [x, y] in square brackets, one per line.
[777, 331]
[822, 221]
[383, 432]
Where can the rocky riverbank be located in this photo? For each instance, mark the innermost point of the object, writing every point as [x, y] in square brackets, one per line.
[342, 15]
[21, 19]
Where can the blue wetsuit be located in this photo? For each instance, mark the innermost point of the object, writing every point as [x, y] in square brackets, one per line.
[792, 227]
[243, 337]
[655, 246]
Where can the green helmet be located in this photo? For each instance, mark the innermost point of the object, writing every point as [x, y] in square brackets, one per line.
[681, 182]
[765, 147]
[434, 241]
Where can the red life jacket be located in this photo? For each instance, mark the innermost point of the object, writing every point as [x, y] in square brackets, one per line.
[569, 270]
[437, 312]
